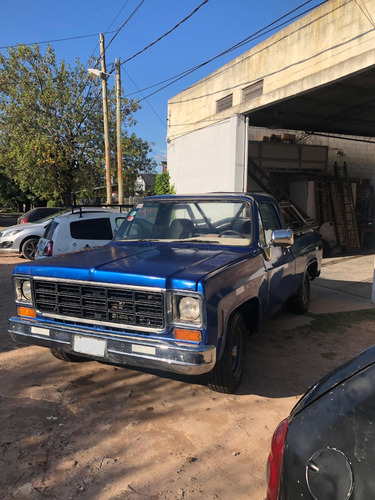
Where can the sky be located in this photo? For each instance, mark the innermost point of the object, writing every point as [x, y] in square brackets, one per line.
[72, 28]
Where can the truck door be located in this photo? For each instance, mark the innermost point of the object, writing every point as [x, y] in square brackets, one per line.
[279, 262]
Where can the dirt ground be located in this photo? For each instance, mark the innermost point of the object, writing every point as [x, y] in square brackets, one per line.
[96, 431]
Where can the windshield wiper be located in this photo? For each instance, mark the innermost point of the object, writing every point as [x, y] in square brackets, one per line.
[146, 240]
[197, 240]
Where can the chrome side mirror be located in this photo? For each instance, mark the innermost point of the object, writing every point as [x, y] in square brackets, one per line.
[282, 238]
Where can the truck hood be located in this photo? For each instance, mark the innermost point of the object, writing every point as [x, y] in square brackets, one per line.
[138, 264]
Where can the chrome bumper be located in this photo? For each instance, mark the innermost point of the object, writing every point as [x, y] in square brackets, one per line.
[144, 353]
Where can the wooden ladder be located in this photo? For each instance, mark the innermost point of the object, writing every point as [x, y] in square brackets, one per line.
[344, 210]
[262, 178]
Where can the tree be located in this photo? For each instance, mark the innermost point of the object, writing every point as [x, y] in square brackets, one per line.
[135, 161]
[51, 129]
[11, 196]
[162, 184]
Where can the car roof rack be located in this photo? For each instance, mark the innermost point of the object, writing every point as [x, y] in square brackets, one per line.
[80, 208]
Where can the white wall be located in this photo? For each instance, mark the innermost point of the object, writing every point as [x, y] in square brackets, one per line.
[209, 159]
[334, 40]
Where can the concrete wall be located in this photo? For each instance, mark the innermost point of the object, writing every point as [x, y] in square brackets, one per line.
[209, 159]
[334, 40]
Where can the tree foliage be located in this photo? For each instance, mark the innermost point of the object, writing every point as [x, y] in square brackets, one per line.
[135, 162]
[162, 184]
[51, 126]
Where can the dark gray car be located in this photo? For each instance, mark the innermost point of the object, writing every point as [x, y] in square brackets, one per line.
[37, 213]
[324, 450]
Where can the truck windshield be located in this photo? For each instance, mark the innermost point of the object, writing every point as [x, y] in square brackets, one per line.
[205, 221]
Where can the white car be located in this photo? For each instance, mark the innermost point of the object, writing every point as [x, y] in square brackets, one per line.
[83, 228]
[23, 238]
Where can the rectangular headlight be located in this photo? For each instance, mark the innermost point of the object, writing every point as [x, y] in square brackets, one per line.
[23, 290]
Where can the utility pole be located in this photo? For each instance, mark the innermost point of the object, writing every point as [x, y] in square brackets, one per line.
[118, 130]
[105, 120]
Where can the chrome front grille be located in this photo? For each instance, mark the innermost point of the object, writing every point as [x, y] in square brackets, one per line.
[100, 304]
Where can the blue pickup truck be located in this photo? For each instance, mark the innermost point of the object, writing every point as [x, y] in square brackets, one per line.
[183, 282]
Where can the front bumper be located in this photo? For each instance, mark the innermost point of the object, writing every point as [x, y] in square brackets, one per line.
[8, 246]
[143, 353]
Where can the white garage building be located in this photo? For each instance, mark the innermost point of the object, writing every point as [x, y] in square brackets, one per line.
[283, 115]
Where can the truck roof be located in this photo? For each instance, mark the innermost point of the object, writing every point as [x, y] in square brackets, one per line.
[257, 196]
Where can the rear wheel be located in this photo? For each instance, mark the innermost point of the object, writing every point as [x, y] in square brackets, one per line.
[29, 247]
[67, 356]
[300, 303]
[227, 372]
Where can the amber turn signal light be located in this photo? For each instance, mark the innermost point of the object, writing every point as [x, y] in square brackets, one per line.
[26, 311]
[189, 335]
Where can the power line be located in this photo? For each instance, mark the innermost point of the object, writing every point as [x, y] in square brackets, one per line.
[97, 44]
[366, 13]
[117, 15]
[252, 37]
[126, 22]
[167, 33]
[107, 31]
[54, 41]
[78, 37]
[96, 98]
[130, 78]
[150, 45]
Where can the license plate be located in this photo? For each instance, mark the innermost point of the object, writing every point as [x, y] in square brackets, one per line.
[40, 247]
[87, 345]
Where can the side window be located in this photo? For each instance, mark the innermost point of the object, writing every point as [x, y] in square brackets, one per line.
[91, 229]
[50, 229]
[119, 221]
[262, 236]
[139, 229]
[269, 219]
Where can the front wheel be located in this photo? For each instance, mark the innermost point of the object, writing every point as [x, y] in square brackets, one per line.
[29, 247]
[300, 303]
[227, 372]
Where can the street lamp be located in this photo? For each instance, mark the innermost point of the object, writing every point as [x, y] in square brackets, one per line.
[104, 76]
[97, 72]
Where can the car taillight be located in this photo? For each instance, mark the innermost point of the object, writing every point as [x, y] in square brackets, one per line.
[24, 221]
[275, 459]
[47, 251]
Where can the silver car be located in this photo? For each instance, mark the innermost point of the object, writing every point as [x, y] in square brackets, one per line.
[23, 238]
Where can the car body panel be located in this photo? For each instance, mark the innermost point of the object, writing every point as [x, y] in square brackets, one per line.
[12, 238]
[329, 447]
[80, 230]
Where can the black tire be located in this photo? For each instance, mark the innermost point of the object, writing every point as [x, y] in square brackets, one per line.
[67, 356]
[227, 372]
[300, 303]
[29, 247]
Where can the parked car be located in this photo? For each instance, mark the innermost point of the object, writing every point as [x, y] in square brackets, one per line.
[178, 288]
[79, 229]
[23, 238]
[38, 213]
[325, 448]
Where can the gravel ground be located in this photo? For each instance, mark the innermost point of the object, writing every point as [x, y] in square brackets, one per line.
[96, 431]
